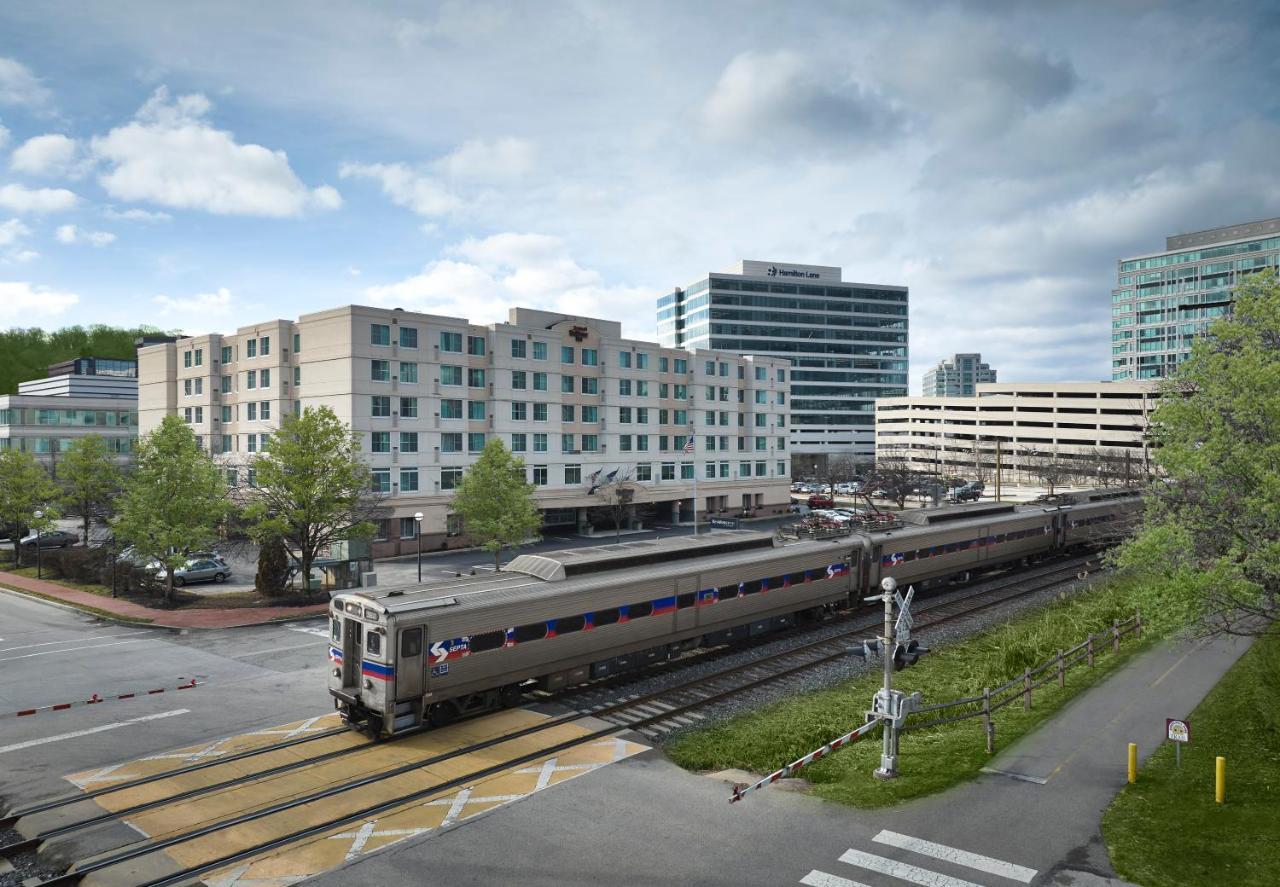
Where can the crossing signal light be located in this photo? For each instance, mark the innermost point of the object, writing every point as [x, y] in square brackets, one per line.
[868, 649]
[907, 654]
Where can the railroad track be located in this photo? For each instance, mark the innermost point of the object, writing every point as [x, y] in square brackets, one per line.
[652, 714]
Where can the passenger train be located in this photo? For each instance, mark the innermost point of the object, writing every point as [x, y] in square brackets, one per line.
[402, 657]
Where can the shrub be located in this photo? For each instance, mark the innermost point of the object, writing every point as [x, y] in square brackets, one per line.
[272, 579]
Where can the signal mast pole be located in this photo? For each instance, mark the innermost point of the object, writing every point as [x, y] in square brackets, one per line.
[889, 754]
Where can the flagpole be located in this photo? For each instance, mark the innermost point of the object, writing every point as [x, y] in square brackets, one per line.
[695, 492]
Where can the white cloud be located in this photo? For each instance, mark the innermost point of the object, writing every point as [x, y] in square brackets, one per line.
[136, 215]
[48, 155]
[4, 135]
[487, 161]
[405, 187]
[20, 256]
[22, 304]
[36, 200]
[170, 155]
[72, 234]
[196, 313]
[516, 270]
[11, 231]
[18, 86]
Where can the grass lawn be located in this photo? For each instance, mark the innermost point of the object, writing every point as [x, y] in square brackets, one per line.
[1167, 829]
[929, 760]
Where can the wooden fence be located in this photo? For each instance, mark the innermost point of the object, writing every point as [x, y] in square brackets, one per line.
[1023, 686]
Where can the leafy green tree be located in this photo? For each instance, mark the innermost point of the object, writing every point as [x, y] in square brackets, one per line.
[25, 488]
[273, 568]
[496, 503]
[27, 353]
[1210, 537]
[313, 487]
[174, 499]
[90, 479]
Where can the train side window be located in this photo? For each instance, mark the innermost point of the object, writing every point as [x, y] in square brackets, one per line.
[1000, 537]
[796, 578]
[751, 587]
[952, 546]
[776, 582]
[909, 555]
[570, 624]
[373, 643]
[727, 592]
[635, 611]
[604, 617]
[685, 601]
[534, 631]
[410, 643]
[335, 628]
[490, 640]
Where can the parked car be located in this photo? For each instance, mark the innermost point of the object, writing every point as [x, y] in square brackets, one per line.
[970, 492]
[820, 500]
[203, 570]
[51, 539]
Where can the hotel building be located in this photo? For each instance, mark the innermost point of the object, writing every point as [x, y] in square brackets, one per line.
[569, 395]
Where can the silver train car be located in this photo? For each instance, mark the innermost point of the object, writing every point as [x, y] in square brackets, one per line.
[402, 657]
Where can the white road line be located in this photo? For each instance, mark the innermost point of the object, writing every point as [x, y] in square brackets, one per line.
[902, 870]
[73, 650]
[1021, 777]
[99, 637]
[960, 857]
[46, 739]
[311, 645]
[816, 878]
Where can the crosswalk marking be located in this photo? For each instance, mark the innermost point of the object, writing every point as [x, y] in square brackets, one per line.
[816, 878]
[902, 870]
[960, 857]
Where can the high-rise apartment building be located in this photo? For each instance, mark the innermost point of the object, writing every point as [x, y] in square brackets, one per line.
[1164, 300]
[957, 377]
[579, 403]
[846, 342]
[80, 397]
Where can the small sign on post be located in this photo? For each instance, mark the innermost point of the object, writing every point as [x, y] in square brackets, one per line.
[1178, 730]
[723, 523]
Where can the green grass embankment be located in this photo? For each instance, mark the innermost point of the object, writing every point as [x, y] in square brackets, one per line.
[937, 758]
[1168, 831]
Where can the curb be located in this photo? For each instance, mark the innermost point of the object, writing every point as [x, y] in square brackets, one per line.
[115, 619]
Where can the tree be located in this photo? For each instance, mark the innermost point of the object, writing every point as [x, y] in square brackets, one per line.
[1210, 536]
[25, 488]
[896, 474]
[616, 493]
[174, 499]
[496, 503]
[1051, 468]
[313, 487]
[273, 568]
[27, 353]
[90, 479]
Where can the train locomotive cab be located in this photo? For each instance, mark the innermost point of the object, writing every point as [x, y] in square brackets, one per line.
[362, 655]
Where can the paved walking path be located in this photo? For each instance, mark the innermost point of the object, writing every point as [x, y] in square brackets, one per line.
[128, 610]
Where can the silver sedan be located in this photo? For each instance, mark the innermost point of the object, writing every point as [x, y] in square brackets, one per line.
[198, 571]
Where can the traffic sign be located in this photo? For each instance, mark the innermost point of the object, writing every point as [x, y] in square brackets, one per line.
[723, 523]
[1177, 730]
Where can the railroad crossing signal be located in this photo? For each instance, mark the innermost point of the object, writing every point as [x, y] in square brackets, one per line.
[907, 654]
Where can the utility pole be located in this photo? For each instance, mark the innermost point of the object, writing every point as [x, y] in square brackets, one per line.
[999, 469]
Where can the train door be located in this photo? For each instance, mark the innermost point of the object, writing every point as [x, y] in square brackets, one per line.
[352, 652]
[686, 611]
[409, 663]
[1059, 531]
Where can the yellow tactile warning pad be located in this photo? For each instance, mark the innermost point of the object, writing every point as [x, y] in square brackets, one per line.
[293, 863]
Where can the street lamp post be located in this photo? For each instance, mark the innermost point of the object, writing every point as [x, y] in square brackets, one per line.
[39, 516]
[417, 520]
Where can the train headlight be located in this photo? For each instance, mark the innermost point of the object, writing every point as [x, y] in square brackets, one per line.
[337, 672]
[368, 684]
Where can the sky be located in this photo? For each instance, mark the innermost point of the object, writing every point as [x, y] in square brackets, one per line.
[201, 166]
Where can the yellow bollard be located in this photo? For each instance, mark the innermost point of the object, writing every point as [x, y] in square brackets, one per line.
[1220, 781]
[1133, 762]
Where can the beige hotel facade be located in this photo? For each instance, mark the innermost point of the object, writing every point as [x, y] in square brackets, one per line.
[567, 394]
[1008, 424]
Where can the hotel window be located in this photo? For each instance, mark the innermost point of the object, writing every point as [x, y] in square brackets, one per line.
[566, 384]
[680, 365]
[590, 443]
[744, 469]
[759, 374]
[724, 369]
[379, 334]
[264, 380]
[449, 478]
[251, 444]
[251, 348]
[782, 469]
[252, 407]
[408, 441]
[686, 471]
[519, 411]
[226, 385]
[408, 526]
[624, 443]
[186, 387]
[186, 359]
[663, 364]
[624, 359]
[451, 342]
[519, 442]
[710, 368]
[539, 412]
[409, 482]
[782, 375]
[233, 477]
[200, 414]
[199, 357]
[408, 337]
[590, 385]
[226, 414]
[519, 380]
[380, 441]
[450, 409]
[668, 471]
[566, 443]
[450, 375]
[380, 481]
[475, 346]
[297, 343]
[475, 378]
[724, 469]
[539, 475]
[226, 354]
[573, 474]
[566, 354]
[642, 388]
[539, 381]
[451, 442]
[624, 415]
[264, 410]
[539, 350]
[408, 408]
[624, 387]
[380, 406]
[642, 443]
[519, 348]
[644, 472]
[379, 371]
[539, 443]
[590, 414]
[642, 415]
[590, 357]
[710, 471]
[475, 441]
[642, 361]
[762, 469]
[476, 410]
[408, 372]
[566, 412]
[251, 379]
[264, 347]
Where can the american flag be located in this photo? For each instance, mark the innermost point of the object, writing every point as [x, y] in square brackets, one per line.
[688, 444]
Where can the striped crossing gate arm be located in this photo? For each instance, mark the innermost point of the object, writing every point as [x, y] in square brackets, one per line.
[851, 736]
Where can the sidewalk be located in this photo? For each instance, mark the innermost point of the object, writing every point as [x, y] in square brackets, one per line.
[128, 611]
[1041, 799]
